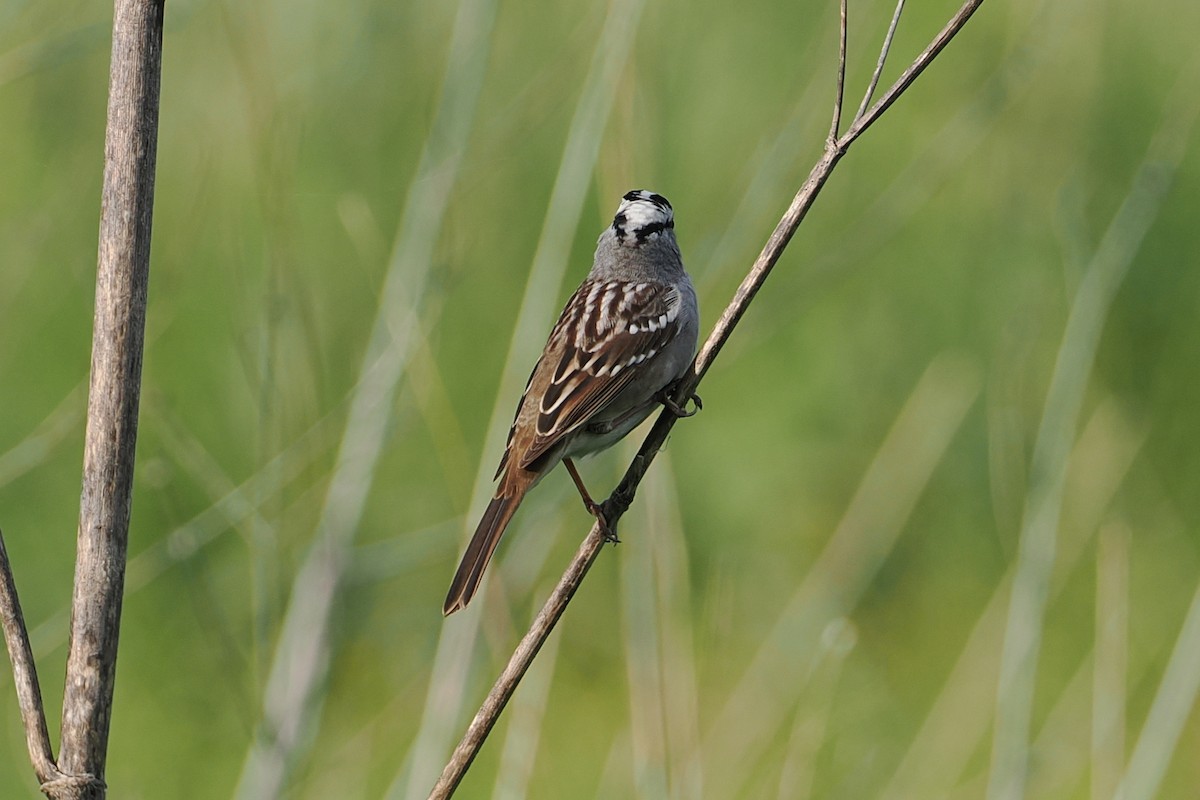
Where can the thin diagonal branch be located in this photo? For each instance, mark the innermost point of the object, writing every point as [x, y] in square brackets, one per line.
[840, 93]
[883, 54]
[619, 502]
[29, 694]
[528, 648]
[918, 66]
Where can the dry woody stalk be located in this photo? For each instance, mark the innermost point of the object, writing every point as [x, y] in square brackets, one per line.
[122, 275]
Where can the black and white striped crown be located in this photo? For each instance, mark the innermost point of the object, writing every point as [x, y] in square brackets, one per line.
[642, 216]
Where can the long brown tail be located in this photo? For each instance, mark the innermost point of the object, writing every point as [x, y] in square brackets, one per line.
[483, 544]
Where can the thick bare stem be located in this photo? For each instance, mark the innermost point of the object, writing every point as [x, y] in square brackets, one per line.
[618, 503]
[118, 332]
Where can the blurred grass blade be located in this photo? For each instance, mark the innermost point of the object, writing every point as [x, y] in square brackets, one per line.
[660, 659]
[233, 508]
[1039, 528]
[184, 541]
[1110, 673]
[301, 660]
[645, 666]
[1060, 753]
[526, 714]
[49, 52]
[772, 176]
[35, 448]
[958, 719]
[811, 724]
[878, 512]
[680, 669]
[1173, 704]
[443, 705]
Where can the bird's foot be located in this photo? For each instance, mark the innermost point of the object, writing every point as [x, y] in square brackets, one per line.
[609, 532]
[612, 509]
[682, 412]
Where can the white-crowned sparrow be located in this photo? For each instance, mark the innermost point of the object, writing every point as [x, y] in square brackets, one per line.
[625, 336]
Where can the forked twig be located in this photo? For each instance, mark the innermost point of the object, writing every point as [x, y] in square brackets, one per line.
[918, 66]
[617, 504]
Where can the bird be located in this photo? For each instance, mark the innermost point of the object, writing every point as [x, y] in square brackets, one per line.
[623, 340]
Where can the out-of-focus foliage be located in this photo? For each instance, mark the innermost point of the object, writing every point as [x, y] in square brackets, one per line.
[811, 599]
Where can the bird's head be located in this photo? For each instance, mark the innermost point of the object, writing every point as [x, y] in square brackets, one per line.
[642, 217]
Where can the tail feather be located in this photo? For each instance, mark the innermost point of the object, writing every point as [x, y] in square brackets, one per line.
[479, 551]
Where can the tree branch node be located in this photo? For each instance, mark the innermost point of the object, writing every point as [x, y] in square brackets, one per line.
[72, 787]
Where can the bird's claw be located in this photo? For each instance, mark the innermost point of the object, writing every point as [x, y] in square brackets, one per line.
[609, 534]
[679, 411]
[612, 508]
[601, 513]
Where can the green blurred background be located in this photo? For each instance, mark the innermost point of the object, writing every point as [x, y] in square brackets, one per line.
[813, 596]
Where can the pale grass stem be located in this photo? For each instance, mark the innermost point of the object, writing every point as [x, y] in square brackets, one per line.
[770, 686]
[673, 607]
[958, 719]
[520, 746]
[1039, 527]
[295, 685]
[1110, 670]
[1169, 712]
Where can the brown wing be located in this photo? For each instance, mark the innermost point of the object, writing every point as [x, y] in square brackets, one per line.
[607, 328]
